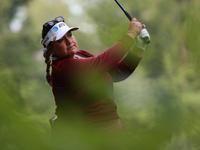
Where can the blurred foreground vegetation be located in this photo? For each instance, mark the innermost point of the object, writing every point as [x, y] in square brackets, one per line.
[158, 105]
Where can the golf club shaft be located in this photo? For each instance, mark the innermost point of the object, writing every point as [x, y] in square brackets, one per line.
[126, 13]
[146, 39]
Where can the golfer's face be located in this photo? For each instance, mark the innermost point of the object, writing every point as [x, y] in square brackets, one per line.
[66, 47]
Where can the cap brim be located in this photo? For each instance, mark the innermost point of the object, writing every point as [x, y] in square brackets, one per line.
[64, 31]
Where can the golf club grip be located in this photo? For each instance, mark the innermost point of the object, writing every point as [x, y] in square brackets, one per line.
[127, 15]
[146, 39]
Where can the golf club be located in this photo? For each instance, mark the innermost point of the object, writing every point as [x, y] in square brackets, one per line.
[146, 39]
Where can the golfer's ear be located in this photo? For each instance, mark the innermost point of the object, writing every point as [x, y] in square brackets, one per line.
[50, 49]
[41, 41]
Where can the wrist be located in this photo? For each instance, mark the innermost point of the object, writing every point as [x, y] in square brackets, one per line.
[128, 40]
[132, 34]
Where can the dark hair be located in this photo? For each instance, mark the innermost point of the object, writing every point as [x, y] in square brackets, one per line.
[47, 54]
[46, 27]
[45, 30]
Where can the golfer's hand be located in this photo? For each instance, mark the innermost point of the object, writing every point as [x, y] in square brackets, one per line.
[140, 43]
[135, 26]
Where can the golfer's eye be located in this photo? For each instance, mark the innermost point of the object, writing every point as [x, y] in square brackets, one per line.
[69, 34]
[61, 40]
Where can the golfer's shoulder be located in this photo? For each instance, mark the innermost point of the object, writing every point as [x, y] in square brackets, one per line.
[84, 53]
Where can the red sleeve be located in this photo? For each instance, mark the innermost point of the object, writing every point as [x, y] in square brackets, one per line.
[84, 71]
[124, 68]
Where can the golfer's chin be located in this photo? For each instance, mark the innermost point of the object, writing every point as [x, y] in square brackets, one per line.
[72, 53]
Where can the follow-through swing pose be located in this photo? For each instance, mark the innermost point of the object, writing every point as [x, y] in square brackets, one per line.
[82, 83]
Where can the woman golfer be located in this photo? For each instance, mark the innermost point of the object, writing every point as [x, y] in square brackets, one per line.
[82, 83]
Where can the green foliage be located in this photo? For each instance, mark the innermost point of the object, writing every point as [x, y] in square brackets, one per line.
[158, 104]
[8, 9]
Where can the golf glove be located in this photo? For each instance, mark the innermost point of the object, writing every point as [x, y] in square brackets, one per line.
[140, 39]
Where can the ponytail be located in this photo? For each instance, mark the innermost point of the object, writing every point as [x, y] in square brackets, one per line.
[46, 28]
[47, 55]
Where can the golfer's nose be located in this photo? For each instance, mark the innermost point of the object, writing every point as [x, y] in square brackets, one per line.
[68, 40]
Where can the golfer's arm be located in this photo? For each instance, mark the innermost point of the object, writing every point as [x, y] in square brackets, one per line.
[136, 52]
